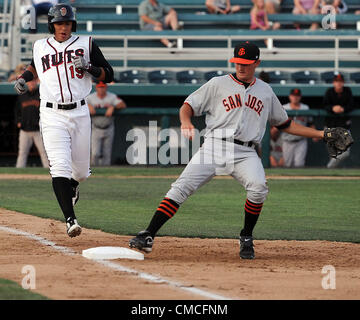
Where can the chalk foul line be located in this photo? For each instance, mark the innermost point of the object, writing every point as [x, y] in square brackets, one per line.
[116, 266]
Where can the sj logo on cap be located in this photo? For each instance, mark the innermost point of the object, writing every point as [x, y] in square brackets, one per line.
[63, 11]
[241, 52]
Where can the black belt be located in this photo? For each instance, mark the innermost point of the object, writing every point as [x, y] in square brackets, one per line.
[69, 106]
[242, 143]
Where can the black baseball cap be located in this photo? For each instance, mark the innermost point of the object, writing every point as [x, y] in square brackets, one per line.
[338, 77]
[295, 92]
[246, 53]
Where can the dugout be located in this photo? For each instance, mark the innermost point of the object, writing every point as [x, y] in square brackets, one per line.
[163, 108]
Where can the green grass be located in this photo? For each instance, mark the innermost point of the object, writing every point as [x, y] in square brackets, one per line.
[176, 170]
[10, 290]
[295, 209]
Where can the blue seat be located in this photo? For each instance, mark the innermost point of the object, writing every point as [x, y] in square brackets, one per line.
[328, 76]
[355, 76]
[305, 77]
[280, 77]
[216, 73]
[132, 76]
[190, 76]
[162, 77]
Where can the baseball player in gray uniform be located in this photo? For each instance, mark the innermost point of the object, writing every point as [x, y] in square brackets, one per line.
[237, 107]
[65, 65]
[295, 147]
[102, 128]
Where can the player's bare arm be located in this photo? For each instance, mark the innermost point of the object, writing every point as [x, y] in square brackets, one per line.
[300, 130]
[187, 128]
[121, 105]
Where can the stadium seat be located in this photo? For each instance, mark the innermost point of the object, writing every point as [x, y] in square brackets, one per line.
[162, 77]
[132, 76]
[305, 77]
[190, 76]
[355, 76]
[215, 73]
[278, 76]
[328, 76]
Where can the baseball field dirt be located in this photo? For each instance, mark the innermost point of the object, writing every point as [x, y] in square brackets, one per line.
[212, 267]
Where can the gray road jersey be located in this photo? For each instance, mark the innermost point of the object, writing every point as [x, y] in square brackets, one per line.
[100, 121]
[298, 119]
[240, 113]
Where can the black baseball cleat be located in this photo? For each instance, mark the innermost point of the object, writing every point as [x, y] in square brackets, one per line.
[247, 247]
[72, 227]
[75, 195]
[143, 241]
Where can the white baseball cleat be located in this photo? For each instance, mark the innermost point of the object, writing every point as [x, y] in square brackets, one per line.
[73, 228]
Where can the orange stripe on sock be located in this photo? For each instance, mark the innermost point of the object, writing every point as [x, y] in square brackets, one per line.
[251, 211]
[167, 208]
[171, 205]
[255, 205]
[167, 213]
[252, 208]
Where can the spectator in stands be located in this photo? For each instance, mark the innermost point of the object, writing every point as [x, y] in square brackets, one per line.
[221, 7]
[307, 7]
[295, 147]
[273, 7]
[102, 129]
[157, 16]
[27, 120]
[338, 101]
[20, 68]
[276, 153]
[259, 19]
[258, 15]
[338, 5]
[333, 7]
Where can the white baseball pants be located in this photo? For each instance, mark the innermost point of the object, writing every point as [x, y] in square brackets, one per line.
[216, 157]
[66, 135]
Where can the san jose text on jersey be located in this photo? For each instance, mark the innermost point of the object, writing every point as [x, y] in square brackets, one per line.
[240, 112]
[60, 81]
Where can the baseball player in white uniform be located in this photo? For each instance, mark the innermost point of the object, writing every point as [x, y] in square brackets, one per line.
[237, 107]
[65, 65]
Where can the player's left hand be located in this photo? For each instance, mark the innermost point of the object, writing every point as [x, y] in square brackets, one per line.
[338, 140]
[80, 63]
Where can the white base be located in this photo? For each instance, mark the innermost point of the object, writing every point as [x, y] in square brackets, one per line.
[109, 253]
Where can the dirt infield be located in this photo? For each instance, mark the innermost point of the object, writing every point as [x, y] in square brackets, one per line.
[281, 270]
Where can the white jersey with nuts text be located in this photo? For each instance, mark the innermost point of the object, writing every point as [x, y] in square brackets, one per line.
[60, 81]
[240, 113]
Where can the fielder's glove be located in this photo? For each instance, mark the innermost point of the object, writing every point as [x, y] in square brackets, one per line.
[337, 140]
[20, 86]
[80, 63]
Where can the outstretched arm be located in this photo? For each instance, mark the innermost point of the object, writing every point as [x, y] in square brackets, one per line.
[300, 130]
